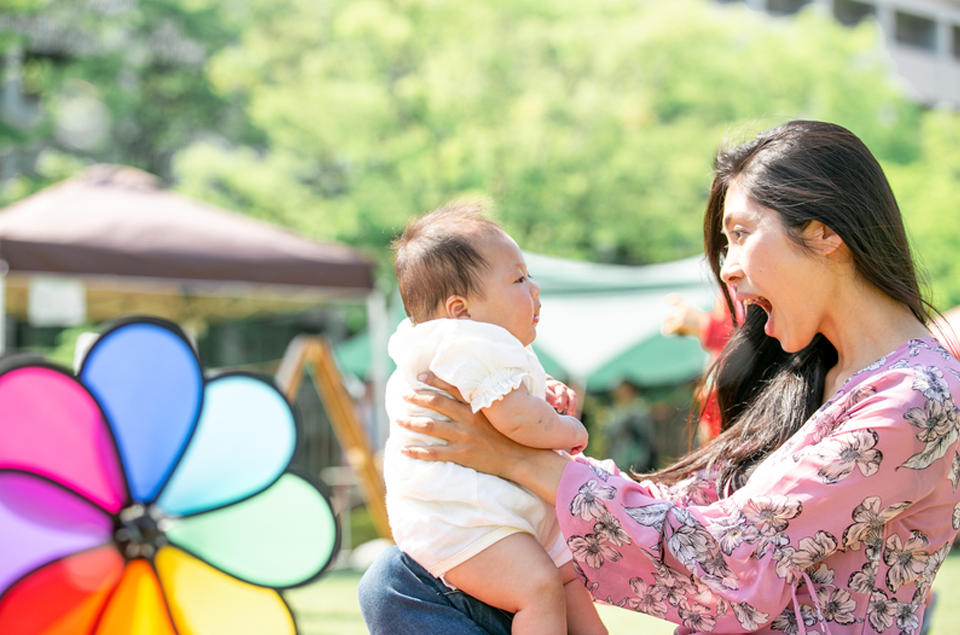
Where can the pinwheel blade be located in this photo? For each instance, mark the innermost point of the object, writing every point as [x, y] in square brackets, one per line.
[66, 596]
[282, 537]
[51, 426]
[147, 379]
[137, 606]
[244, 440]
[40, 522]
[204, 600]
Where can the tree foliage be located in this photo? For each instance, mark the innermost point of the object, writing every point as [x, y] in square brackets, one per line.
[591, 126]
[117, 81]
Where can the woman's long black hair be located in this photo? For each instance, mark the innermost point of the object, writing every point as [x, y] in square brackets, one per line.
[805, 171]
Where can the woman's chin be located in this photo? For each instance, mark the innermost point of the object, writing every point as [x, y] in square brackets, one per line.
[792, 345]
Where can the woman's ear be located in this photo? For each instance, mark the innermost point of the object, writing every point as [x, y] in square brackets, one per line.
[822, 238]
[456, 307]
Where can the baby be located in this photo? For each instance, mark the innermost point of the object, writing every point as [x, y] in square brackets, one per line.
[472, 314]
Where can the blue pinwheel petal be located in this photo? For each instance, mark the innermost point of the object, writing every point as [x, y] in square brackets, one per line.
[147, 379]
[244, 440]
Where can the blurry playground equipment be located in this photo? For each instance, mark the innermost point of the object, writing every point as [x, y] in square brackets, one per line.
[314, 355]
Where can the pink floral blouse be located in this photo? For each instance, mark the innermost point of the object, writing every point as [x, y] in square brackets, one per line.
[840, 531]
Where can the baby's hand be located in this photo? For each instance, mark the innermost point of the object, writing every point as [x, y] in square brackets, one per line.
[577, 450]
[561, 397]
[581, 442]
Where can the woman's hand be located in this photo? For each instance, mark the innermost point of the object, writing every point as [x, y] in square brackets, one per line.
[473, 442]
[681, 317]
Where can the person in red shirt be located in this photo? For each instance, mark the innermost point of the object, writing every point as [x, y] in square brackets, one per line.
[713, 328]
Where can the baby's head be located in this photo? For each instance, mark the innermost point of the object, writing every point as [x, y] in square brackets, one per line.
[456, 263]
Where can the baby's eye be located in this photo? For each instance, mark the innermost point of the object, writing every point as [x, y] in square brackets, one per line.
[521, 279]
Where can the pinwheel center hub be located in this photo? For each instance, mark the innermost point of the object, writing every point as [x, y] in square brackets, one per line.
[139, 531]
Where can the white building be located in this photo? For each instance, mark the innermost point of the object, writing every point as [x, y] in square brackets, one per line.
[923, 37]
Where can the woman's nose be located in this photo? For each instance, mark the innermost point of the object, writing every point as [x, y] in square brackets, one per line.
[730, 270]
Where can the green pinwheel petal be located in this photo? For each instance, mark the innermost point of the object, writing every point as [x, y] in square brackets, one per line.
[279, 538]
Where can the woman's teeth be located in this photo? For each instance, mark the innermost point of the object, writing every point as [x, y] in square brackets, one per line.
[762, 302]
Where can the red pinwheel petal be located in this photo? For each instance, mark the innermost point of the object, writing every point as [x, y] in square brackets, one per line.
[65, 597]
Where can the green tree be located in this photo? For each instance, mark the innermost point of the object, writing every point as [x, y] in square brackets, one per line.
[928, 192]
[117, 81]
[591, 125]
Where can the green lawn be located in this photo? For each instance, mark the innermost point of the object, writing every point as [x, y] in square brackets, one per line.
[329, 607]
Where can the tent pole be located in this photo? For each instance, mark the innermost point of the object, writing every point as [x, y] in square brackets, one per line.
[377, 324]
[4, 269]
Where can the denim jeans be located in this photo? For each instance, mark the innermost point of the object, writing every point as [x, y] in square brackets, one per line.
[399, 597]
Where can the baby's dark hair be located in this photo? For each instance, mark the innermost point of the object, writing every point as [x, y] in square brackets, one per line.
[437, 256]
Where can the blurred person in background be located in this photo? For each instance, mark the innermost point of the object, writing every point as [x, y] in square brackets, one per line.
[631, 430]
[713, 329]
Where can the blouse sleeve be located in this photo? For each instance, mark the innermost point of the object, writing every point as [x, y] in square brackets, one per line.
[484, 361]
[730, 566]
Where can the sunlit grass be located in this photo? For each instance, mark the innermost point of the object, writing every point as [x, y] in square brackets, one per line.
[329, 607]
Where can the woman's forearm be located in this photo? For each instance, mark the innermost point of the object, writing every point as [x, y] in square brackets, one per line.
[473, 442]
[539, 471]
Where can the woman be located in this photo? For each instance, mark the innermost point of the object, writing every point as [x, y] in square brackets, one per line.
[830, 500]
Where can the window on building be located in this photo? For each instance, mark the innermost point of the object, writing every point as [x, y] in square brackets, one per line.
[785, 7]
[913, 30]
[955, 31]
[851, 12]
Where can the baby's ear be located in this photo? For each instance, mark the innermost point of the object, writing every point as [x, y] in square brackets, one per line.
[456, 308]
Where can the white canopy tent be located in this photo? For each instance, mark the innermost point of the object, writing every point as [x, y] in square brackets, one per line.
[601, 323]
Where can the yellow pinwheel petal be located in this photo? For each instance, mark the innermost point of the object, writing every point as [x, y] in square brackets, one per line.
[205, 601]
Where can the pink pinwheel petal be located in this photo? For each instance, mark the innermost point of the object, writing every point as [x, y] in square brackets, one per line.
[50, 425]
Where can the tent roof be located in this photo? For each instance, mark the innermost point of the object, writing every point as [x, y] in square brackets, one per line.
[559, 276]
[601, 323]
[118, 221]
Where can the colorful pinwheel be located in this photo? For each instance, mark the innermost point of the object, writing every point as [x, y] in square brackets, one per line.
[139, 498]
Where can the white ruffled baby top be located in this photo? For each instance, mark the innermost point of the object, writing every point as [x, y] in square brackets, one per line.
[442, 514]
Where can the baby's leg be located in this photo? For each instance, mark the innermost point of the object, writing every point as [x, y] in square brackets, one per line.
[582, 616]
[515, 574]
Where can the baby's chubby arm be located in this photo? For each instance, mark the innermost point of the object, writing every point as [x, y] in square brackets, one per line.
[531, 421]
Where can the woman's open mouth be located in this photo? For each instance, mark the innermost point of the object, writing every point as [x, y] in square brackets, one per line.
[759, 301]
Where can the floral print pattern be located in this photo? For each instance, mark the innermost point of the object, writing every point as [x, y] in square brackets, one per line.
[842, 455]
[592, 551]
[938, 422]
[841, 531]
